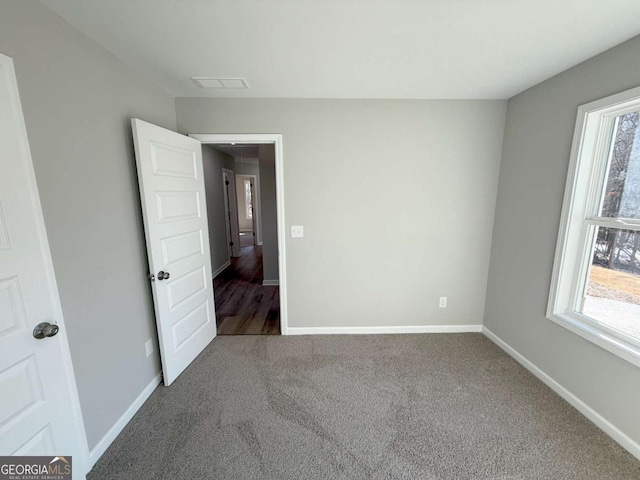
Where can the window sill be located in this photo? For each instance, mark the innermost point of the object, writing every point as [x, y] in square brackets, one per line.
[579, 324]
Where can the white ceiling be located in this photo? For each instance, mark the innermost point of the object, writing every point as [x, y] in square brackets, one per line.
[354, 48]
[248, 152]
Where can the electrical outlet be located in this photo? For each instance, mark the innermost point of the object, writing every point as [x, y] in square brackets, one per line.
[297, 231]
[148, 346]
[443, 302]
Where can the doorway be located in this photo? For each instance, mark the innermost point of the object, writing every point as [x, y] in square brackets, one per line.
[185, 231]
[248, 205]
[247, 282]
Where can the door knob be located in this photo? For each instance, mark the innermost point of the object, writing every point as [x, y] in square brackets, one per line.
[163, 275]
[45, 329]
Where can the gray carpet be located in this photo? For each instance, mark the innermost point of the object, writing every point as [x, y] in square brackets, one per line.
[443, 406]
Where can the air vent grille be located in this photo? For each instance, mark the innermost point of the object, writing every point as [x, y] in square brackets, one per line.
[228, 83]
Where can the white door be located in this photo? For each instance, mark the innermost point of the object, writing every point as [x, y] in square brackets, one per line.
[254, 216]
[227, 211]
[175, 220]
[39, 409]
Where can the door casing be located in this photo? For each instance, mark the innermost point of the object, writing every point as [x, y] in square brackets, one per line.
[274, 139]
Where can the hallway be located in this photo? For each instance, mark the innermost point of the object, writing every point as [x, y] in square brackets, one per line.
[246, 239]
[243, 305]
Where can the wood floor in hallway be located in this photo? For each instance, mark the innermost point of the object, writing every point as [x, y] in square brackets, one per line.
[243, 305]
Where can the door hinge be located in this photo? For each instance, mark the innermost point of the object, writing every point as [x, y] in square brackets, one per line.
[226, 182]
[152, 277]
[231, 243]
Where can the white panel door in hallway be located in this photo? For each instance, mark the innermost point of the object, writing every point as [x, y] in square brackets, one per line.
[170, 175]
[39, 408]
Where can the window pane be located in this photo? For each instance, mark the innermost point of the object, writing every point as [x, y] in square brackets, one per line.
[622, 190]
[612, 294]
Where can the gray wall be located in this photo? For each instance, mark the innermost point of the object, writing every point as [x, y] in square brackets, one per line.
[537, 144]
[268, 212]
[435, 160]
[214, 161]
[78, 101]
[247, 168]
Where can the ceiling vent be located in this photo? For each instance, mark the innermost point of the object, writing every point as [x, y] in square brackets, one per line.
[210, 82]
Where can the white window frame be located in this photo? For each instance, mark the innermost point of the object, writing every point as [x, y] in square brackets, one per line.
[592, 143]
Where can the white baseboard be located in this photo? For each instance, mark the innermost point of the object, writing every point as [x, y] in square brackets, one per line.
[114, 431]
[605, 425]
[382, 330]
[270, 283]
[221, 269]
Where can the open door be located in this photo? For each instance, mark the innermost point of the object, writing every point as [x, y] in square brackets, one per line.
[170, 175]
[254, 216]
[39, 406]
[231, 211]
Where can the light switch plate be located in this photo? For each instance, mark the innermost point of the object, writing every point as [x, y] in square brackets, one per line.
[297, 231]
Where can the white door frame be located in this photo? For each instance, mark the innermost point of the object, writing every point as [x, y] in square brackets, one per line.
[81, 458]
[274, 139]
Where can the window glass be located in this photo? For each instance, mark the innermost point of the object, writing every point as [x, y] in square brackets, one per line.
[612, 293]
[621, 197]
